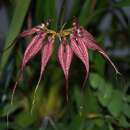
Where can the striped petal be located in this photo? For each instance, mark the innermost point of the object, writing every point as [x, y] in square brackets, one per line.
[81, 51]
[29, 32]
[65, 55]
[46, 54]
[91, 43]
[33, 48]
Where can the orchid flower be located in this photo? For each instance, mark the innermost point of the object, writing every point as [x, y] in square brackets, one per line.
[75, 40]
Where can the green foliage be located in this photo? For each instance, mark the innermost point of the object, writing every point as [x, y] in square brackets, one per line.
[15, 27]
[45, 11]
[112, 99]
[104, 103]
[85, 12]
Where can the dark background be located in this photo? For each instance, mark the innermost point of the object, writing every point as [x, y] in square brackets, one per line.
[104, 103]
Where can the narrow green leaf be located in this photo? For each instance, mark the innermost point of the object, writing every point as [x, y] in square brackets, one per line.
[85, 12]
[75, 9]
[16, 24]
[49, 11]
[39, 11]
[45, 11]
[94, 17]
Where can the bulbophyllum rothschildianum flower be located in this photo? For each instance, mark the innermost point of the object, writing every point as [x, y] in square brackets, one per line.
[75, 40]
[81, 41]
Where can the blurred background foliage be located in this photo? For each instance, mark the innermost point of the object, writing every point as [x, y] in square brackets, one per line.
[104, 103]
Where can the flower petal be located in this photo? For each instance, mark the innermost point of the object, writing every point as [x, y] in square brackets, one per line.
[65, 55]
[81, 51]
[33, 48]
[46, 54]
[29, 32]
[91, 43]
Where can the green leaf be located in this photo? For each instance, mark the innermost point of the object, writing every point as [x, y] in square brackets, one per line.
[85, 12]
[123, 122]
[39, 12]
[75, 10]
[100, 123]
[105, 95]
[24, 119]
[126, 110]
[16, 24]
[96, 81]
[104, 89]
[8, 109]
[46, 11]
[115, 106]
[128, 98]
[91, 103]
[76, 123]
[110, 127]
[95, 16]
[50, 9]
[122, 3]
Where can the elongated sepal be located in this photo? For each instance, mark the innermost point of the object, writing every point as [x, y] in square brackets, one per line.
[46, 54]
[65, 57]
[80, 51]
[33, 48]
